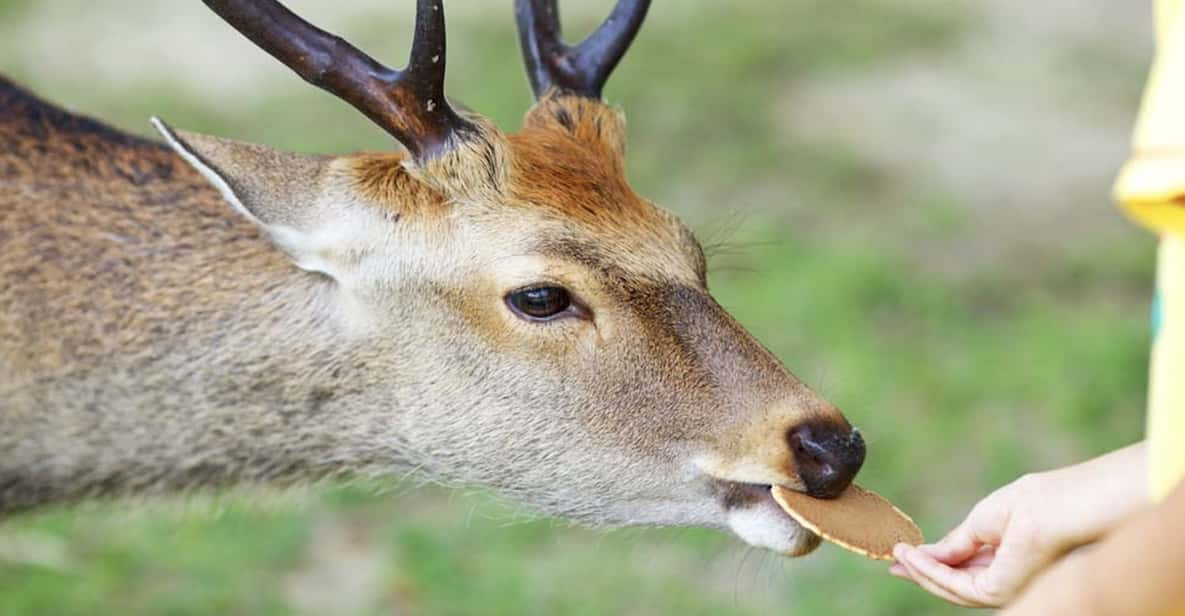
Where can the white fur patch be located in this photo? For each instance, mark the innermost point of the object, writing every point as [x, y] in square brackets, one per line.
[765, 526]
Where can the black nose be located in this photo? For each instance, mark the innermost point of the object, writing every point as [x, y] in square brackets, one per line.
[827, 457]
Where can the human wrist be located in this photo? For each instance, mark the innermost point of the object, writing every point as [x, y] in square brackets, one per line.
[1079, 504]
[1043, 509]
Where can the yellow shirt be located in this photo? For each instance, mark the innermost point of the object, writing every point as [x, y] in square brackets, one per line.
[1151, 189]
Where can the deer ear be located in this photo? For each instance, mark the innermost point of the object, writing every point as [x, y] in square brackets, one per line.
[271, 187]
[285, 194]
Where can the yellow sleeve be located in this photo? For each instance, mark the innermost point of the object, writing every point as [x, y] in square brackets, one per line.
[1151, 186]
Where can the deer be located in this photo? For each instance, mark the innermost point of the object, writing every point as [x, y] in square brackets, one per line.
[484, 308]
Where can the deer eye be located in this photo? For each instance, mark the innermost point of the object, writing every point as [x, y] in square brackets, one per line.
[540, 303]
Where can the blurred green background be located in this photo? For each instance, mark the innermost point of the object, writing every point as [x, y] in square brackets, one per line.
[907, 201]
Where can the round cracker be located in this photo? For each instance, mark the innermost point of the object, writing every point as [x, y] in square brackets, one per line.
[859, 520]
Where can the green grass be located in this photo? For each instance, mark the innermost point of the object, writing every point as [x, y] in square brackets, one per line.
[960, 382]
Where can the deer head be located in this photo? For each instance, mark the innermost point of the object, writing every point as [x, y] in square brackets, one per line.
[528, 322]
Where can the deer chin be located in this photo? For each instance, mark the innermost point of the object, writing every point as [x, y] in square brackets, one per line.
[752, 515]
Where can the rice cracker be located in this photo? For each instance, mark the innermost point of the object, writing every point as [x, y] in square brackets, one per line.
[858, 520]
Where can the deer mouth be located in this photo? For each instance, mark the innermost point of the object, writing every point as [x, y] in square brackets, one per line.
[754, 516]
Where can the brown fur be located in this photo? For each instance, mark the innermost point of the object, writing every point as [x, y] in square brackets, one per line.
[155, 341]
[381, 178]
[110, 248]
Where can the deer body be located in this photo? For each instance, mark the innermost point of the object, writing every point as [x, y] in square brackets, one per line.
[492, 309]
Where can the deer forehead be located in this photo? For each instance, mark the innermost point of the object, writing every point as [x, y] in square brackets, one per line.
[517, 246]
[566, 203]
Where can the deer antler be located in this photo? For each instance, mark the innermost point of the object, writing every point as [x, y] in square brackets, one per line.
[407, 103]
[581, 70]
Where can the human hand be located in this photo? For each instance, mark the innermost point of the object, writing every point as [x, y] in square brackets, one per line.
[988, 558]
[1021, 528]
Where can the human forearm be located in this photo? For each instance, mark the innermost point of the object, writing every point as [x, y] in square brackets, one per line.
[1096, 496]
[1135, 571]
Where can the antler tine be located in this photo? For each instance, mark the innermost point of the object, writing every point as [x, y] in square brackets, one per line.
[581, 70]
[409, 104]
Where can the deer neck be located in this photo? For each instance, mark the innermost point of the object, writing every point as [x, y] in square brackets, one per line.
[173, 349]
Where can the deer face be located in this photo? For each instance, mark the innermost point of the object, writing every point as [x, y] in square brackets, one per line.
[541, 328]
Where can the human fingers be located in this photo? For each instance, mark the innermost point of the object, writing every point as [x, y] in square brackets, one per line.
[975, 565]
[982, 559]
[931, 574]
[929, 585]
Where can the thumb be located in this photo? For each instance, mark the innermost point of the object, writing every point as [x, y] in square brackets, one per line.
[957, 546]
[983, 526]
